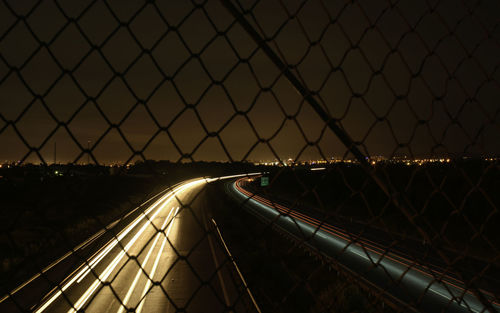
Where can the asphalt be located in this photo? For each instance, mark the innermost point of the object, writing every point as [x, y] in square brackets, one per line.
[404, 281]
[171, 258]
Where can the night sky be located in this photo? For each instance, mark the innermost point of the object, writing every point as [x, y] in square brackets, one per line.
[417, 78]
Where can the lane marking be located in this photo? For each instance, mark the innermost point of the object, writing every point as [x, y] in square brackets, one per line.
[237, 268]
[216, 261]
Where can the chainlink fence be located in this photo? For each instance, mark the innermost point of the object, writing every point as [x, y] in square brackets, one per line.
[372, 128]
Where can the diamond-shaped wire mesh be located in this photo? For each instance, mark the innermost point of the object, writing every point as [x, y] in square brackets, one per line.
[233, 156]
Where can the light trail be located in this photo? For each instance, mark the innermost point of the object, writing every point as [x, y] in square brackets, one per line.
[143, 265]
[80, 246]
[338, 232]
[88, 267]
[100, 255]
[92, 264]
[318, 168]
[110, 268]
[399, 268]
[107, 272]
[153, 271]
[209, 180]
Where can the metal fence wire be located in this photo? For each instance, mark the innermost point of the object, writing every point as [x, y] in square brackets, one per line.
[370, 129]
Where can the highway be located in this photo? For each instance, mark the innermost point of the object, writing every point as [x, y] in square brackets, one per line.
[404, 280]
[170, 257]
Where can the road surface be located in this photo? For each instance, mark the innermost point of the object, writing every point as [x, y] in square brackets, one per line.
[405, 280]
[169, 258]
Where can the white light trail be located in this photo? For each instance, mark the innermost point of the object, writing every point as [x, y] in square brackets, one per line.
[95, 261]
[209, 180]
[158, 256]
[143, 265]
[92, 264]
[110, 268]
[107, 272]
[89, 266]
[397, 270]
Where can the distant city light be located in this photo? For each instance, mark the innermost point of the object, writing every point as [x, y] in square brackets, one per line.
[373, 160]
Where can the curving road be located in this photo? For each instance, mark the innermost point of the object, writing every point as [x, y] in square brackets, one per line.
[403, 279]
[169, 257]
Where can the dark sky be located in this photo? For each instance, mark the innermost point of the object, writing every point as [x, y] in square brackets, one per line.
[415, 77]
